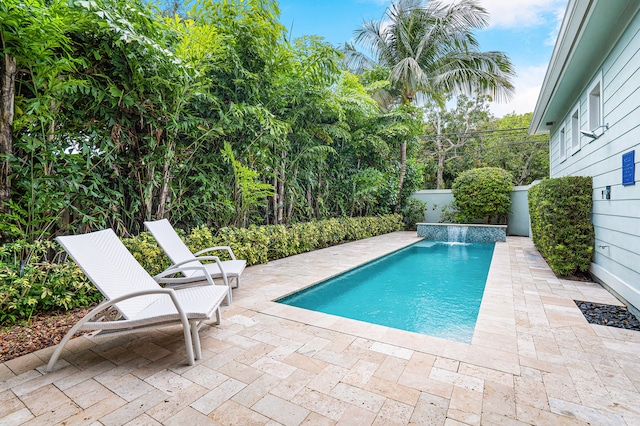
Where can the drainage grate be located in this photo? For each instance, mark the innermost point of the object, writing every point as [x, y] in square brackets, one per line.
[610, 315]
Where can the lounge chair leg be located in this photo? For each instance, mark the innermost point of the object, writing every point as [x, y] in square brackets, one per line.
[195, 337]
[229, 297]
[238, 281]
[58, 351]
[188, 343]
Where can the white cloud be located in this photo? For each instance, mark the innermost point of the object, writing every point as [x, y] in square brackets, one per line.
[553, 35]
[528, 84]
[521, 13]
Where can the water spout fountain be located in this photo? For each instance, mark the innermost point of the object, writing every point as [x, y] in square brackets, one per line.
[457, 234]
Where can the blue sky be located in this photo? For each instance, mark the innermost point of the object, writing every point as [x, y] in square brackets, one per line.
[525, 29]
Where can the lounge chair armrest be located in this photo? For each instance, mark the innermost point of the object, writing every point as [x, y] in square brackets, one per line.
[178, 267]
[169, 291]
[227, 248]
[185, 262]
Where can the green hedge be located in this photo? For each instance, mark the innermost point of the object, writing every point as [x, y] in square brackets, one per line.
[38, 285]
[560, 222]
[482, 193]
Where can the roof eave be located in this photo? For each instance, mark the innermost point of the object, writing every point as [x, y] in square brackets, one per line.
[568, 36]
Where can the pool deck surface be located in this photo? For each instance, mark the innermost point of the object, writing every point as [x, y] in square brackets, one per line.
[534, 359]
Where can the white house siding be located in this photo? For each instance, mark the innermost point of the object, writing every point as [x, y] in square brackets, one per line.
[616, 221]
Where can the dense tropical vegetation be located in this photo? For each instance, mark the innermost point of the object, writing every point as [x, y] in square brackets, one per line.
[114, 112]
[467, 136]
[428, 52]
[122, 115]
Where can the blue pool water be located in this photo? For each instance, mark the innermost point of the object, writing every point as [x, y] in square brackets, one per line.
[429, 287]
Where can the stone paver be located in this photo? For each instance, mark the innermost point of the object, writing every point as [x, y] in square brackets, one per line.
[533, 359]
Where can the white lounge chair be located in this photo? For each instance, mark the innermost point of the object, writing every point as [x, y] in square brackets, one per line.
[134, 301]
[180, 255]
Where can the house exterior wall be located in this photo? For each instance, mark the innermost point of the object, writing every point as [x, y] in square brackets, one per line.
[616, 261]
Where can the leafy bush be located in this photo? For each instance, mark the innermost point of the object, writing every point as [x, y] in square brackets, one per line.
[449, 213]
[560, 222]
[413, 212]
[30, 283]
[482, 193]
[147, 251]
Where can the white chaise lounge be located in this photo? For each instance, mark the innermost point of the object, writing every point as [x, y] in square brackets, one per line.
[180, 255]
[134, 301]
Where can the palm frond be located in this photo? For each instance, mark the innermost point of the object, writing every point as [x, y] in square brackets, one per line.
[431, 51]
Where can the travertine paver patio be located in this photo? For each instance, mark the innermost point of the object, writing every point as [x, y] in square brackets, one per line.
[534, 360]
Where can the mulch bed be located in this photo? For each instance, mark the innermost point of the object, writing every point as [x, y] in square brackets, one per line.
[41, 331]
[610, 315]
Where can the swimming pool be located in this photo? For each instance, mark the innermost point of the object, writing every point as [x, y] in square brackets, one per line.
[432, 288]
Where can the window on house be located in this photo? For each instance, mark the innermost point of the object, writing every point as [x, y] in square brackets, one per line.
[575, 131]
[563, 145]
[595, 106]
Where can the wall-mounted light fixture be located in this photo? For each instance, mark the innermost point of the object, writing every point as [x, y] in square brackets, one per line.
[593, 133]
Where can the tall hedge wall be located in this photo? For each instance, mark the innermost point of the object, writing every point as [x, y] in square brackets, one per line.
[560, 210]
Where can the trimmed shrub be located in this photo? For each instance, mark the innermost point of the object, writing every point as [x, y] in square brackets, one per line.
[36, 284]
[561, 228]
[482, 193]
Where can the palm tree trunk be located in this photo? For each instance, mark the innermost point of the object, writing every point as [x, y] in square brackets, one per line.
[8, 69]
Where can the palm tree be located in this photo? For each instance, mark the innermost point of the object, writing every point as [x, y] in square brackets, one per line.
[431, 53]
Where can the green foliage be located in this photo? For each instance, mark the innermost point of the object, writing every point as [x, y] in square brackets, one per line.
[508, 145]
[482, 193]
[249, 191]
[122, 115]
[561, 226]
[452, 139]
[264, 243]
[429, 48]
[468, 136]
[33, 283]
[147, 251]
[413, 212]
[450, 214]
